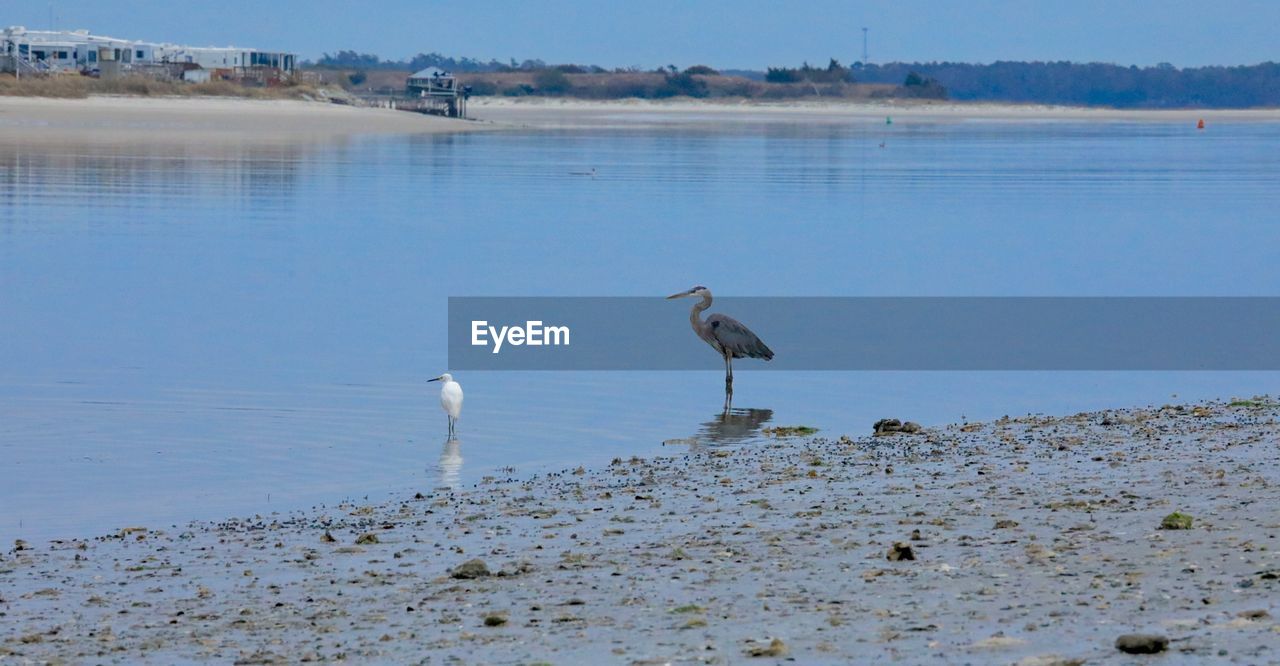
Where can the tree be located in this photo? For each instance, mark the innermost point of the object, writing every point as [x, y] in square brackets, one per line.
[782, 75]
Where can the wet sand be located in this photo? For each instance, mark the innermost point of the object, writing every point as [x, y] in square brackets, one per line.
[1033, 540]
[111, 118]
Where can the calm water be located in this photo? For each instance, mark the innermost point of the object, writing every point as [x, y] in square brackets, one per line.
[193, 332]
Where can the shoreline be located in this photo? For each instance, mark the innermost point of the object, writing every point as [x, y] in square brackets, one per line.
[113, 119]
[1031, 539]
[568, 113]
[203, 119]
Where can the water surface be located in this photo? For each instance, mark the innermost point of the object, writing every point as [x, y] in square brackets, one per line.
[203, 330]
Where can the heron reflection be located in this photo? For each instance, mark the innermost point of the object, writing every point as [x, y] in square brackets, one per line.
[450, 465]
[734, 425]
[729, 426]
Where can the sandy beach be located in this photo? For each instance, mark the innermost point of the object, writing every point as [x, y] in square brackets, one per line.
[203, 119]
[1032, 540]
[574, 113]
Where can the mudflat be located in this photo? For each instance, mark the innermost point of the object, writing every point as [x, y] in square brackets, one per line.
[1030, 540]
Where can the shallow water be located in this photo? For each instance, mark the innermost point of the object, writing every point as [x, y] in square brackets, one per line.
[194, 331]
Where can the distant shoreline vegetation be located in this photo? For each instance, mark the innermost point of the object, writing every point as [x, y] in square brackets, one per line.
[1161, 86]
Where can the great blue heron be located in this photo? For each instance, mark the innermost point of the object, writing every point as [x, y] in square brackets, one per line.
[450, 399]
[728, 336]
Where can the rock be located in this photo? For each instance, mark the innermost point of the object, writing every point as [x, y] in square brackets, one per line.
[901, 551]
[911, 427]
[367, 537]
[1176, 521]
[470, 569]
[495, 620]
[885, 426]
[1006, 524]
[327, 537]
[1254, 614]
[1142, 643]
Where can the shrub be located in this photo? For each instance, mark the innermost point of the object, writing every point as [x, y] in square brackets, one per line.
[682, 84]
[702, 70]
[551, 82]
[520, 90]
[483, 87]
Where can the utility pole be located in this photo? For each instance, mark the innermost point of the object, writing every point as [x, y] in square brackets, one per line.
[864, 46]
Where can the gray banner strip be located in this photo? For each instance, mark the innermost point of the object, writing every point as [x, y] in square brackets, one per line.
[828, 333]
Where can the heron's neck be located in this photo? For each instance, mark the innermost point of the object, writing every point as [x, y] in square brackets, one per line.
[698, 309]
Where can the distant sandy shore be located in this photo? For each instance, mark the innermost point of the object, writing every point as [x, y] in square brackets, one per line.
[204, 118]
[216, 119]
[571, 113]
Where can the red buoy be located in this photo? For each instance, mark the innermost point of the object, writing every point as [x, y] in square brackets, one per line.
[1200, 125]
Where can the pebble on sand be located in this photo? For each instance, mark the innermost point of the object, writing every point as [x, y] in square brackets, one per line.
[1176, 521]
[775, 648]
[1142, 643]
[470, 569]
[901, 551]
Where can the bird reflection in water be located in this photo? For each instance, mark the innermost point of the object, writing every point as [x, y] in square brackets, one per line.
[450, 465]
[730, 426]
[733, 425]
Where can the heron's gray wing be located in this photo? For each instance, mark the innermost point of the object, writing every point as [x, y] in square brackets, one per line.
[735, 337]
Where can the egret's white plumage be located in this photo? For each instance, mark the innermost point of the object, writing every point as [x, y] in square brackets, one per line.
[450, 399]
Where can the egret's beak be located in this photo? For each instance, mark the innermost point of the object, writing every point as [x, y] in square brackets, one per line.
[680, 295]
[433, 380]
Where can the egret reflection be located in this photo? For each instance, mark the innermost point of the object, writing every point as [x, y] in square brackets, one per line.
[450, 465]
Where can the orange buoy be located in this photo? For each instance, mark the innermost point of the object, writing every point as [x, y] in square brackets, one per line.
[1200, 125]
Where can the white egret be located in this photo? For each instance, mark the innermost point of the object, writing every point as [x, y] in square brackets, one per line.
[450, 399]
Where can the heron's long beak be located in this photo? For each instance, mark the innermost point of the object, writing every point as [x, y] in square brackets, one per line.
[680, 295]
[433, 380]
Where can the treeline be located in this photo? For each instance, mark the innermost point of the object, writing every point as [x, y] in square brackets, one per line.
[369, 61]
[1094, 84]
[354, 60]
[834, 72]
[1086, 84]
